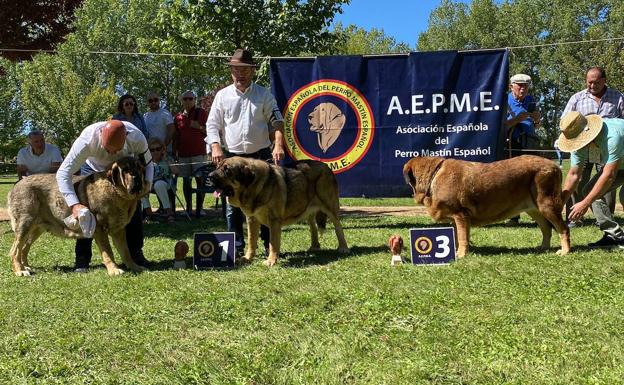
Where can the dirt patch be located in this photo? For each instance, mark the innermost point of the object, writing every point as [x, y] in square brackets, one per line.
[383, 210]
[347, 210]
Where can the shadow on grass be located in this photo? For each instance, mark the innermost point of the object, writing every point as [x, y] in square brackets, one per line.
[324, 257]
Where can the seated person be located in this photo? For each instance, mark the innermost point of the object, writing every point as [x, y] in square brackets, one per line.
[38, 157]
[162, 180]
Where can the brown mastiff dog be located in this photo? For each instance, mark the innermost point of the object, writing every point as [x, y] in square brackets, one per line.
[276, 196]
[35, 206]
[475, 194]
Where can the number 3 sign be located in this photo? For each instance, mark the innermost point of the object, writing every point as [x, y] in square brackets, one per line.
[213, 250]
[432, 246]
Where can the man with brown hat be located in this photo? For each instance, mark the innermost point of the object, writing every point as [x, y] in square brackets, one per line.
[97, 147]
[247, 116]
[592, 139]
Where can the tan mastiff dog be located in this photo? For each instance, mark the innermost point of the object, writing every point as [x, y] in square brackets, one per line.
[476, 194]
[276, 196]
[35, 206]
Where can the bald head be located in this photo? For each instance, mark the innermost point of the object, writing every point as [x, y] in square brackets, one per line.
[113, 136]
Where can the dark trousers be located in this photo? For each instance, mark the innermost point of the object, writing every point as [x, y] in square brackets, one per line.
[134, 236]
[235, 217]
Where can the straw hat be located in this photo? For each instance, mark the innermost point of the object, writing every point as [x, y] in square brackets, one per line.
[577, 131]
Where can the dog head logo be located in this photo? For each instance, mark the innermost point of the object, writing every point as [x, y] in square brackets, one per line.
[327, 120]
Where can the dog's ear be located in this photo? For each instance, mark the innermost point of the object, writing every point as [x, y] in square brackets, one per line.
[246, 176]
[114, 174]
[408, 175]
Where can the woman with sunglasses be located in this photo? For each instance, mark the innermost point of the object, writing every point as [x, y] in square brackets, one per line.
[128, 111]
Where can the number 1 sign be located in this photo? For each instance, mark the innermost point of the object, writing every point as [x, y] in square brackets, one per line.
[213, 250]
[432, 246]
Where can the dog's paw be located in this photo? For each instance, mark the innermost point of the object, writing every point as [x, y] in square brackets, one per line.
[115, 272]
[314, 249]
[28, 268]
[344, 250]
[562, 252]
[270, 262]
[23, 273]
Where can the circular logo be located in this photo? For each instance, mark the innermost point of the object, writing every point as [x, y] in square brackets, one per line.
[330, 121]
[205, 249]
[423, 245]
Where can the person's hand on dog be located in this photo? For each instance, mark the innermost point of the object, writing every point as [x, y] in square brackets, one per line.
[578, 210]
[76, 209]
[217, 153]
[278, 153]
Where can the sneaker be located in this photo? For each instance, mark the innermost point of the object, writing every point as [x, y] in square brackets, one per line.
[81, 269]
[606, 241]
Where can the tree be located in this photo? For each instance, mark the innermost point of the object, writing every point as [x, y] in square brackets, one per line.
[353, 40]
[557, 70]
[34, 25]
[11, 118]
[58, 102]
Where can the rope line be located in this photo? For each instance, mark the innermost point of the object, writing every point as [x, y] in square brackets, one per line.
[215, 56]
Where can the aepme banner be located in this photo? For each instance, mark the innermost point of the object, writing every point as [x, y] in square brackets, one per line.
[366, 116]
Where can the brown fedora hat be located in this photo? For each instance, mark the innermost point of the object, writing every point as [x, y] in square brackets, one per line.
[242, 58]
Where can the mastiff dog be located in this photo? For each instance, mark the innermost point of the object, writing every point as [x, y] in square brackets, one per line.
[35, 206]
[276, 196]
[475, 194]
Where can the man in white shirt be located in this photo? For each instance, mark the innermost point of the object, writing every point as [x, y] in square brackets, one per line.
[38, 157]
[97, 147]
[243, 112]
[159, 122]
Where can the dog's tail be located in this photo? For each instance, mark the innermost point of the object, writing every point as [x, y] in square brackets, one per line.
[321, 221]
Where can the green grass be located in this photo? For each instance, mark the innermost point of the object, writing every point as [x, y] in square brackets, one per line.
[506, 314]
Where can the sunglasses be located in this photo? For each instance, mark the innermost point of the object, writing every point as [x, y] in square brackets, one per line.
[128, 104]
[188, 98]
[152, 100]
[155, 148]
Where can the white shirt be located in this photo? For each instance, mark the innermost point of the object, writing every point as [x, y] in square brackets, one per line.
[88, 149]
[243, 118]
[39, 164]
[157, 122]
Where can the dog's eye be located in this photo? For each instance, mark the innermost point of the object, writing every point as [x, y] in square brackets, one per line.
[227, 172]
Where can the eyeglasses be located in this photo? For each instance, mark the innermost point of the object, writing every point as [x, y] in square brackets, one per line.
[128, 104]
[188, 98]
[152, 100]
[155, 148]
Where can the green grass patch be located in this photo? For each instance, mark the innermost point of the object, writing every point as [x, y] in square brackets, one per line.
[506, 314]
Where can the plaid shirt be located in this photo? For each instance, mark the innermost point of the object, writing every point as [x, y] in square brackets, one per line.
[611, 105]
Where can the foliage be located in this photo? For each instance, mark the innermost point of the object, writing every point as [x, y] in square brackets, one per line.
[353, 40]
[11, 120]
[558, 70]
[80, 86]
[59, 102]
[505, 314]
[34, 25]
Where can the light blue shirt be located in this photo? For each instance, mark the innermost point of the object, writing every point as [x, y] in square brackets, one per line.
[610, 143]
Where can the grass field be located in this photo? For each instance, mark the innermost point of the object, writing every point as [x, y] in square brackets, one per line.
[506, 314]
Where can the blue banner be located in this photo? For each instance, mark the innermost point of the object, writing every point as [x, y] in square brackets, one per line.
[366, 116]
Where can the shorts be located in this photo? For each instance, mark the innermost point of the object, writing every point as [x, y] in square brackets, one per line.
[187, 170]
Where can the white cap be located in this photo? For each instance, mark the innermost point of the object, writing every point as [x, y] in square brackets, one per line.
[520, 78]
